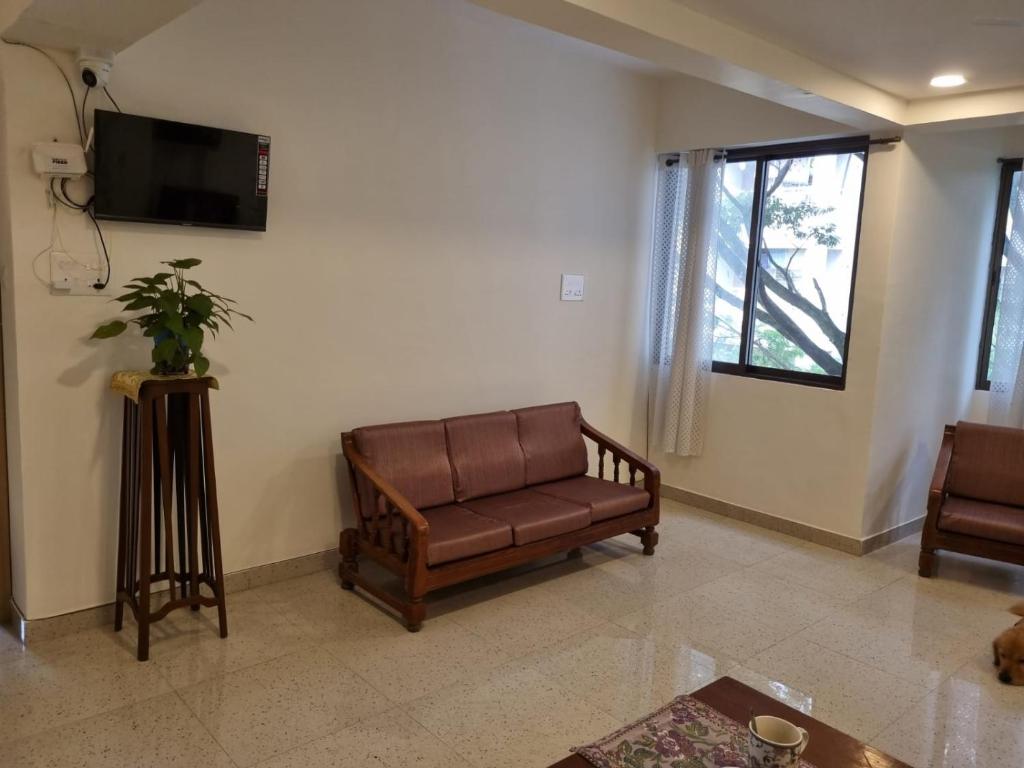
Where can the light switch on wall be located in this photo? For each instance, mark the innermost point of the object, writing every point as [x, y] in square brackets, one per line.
[572, 287]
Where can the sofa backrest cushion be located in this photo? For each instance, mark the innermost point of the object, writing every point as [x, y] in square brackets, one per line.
[552, 442]
[485, 454]
[412, 456]
[987, 464]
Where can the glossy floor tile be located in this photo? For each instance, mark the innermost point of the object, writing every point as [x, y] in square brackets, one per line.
[625, 674]
[264, 710]
[843, 691]
[514, 716]
[157, 732]
[966, 723]
[66, 679]
[516, 668]
[389, 740]
[406, 665]
[734, 615]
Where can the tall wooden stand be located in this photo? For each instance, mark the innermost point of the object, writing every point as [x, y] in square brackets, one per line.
[167, 467]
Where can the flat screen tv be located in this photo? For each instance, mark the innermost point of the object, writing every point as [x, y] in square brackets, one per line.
[175, 173]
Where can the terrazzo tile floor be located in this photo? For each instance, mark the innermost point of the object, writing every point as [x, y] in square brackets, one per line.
[516, 669]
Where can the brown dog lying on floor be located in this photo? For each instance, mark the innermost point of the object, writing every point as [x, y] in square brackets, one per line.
[1009, 651]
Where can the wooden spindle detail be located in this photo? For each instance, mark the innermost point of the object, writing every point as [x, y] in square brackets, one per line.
[632, 476]
[615, 463]
[600, 461]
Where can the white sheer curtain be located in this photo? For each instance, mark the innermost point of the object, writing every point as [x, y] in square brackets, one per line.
[683, 300]
[1006, 396]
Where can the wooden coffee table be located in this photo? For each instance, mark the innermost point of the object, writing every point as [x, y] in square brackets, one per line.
[828, 748]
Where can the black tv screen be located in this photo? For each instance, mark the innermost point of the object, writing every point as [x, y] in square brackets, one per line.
[175, 173]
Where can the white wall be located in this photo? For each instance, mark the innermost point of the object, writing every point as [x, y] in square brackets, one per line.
[792, 451]
[933, 310]
[434, 168]
[857, 462]
[695, 113]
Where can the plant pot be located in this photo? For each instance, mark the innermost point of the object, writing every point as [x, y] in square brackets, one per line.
[168, 369]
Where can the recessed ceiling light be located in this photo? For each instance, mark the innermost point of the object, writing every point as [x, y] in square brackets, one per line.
[948, 81]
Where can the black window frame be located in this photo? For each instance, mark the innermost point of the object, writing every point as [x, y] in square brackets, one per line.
[1009, 166]
[762, 155]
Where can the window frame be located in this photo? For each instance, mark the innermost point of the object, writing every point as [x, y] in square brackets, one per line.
[1009, 166]
[762, 155]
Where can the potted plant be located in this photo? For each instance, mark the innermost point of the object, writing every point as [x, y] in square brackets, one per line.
[177, 313]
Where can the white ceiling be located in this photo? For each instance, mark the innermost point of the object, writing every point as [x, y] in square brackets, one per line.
[111, 24]
[894, 45]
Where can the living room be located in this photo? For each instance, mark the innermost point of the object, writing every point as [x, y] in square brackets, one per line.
[442, 175]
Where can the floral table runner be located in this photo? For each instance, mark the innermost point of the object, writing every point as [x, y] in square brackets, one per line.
[686, 733]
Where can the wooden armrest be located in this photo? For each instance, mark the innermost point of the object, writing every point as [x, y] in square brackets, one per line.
[937, 488]
[652, 475]
[941, 473]
[362, 467]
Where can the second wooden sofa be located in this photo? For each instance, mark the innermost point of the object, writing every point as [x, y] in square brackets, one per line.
[441, 502]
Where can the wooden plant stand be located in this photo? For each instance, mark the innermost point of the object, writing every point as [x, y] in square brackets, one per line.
[167, 466]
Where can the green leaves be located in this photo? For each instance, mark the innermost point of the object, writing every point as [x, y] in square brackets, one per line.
[176, 313]
[183, 263]
[201, 364]
[110, 330]
[201, 304]
[193, 338]
[173, 322]
[164, 351]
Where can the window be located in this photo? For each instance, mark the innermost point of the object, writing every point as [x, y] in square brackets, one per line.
[1006, 265]
[787, 255]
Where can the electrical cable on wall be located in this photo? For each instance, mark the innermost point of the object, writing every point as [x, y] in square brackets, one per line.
[95, 71]
[107, 92]
[85, 125]
[67, 82]
[65, 199]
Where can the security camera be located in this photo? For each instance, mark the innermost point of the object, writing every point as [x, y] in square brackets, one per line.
[94, 66]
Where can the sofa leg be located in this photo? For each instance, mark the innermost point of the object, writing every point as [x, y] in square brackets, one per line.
[349, 558]
[575, 553]
[649, 538]
[416, 613]
[926, 563]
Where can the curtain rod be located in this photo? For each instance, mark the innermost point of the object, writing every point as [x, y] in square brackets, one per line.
[797, 146]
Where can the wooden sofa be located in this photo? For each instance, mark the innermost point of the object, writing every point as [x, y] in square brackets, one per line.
[441, 502]
[976, 499]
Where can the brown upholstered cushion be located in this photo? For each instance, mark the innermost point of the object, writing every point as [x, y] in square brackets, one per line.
[988, 464]
[485, 454]
[552, 442]
[605, 498]
[970, 517]
[412, 456]
[456, 532]
[533, 516]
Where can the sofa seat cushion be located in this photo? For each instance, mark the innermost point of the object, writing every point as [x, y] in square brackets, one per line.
[552, 442]
[533, 516]
[605, 498]
[996, 522]
[456, 532]
[486, 457]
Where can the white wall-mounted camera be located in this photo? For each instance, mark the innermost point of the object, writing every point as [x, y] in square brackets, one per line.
[94, 65]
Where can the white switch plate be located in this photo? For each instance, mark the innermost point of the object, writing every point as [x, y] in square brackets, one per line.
[572, 287]
[75, 276]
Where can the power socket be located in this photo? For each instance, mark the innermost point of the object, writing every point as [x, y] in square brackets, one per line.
[75, 276]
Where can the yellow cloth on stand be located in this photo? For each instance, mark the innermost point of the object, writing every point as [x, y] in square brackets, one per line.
[128, 383]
